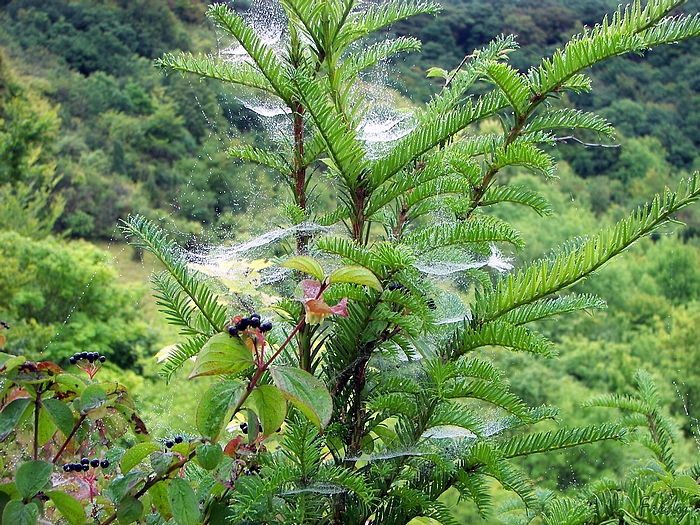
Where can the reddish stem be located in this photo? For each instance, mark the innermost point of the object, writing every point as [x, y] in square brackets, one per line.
[70, 436]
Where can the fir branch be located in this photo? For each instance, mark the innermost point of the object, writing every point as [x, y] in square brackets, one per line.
[548, 276]
[499, 333]
[569, 119]
[147, 236]
[206, 66]
[374, 54]
[545, 308]
[264, 57]
[518, 195]
[565, 438]
[431, 131]
[480, 229]
[275, 161]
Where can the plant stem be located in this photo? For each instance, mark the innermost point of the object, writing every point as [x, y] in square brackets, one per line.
[75, 429]
[37, 407]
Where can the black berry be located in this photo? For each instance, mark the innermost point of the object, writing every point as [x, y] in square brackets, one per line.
[244, 428]
[169, 444]
[266, 326]
[102, 359]
[85, 467]
[255, 322]
[255, 316]
[243, 324]
[83, 355]
[67, 467]
[95, 463]
[84, 461]
[232, 330]
[178, 439]
[73, 360]
[104, 463]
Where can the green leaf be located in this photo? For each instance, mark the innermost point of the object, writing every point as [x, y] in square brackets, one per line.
[215, 404]
[437, 72]
[159, 498]
[92, 398]
[134, 421]
[209, 455]
[222, 354]
[61, 414]
[183, 502]
[305, 264]
[355, 275]
[46, 429]
[305, 392]
[17, 513]
[67, 505]
[687, 484]
[270, 406]
[123, 484]
[129, 510]
[10, 416]
[162, 461]
[31, 477]
[9, 362]
[4, 500]
[136, 454]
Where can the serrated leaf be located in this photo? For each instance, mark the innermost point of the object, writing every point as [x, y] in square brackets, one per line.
[270, 405]
[17, 513]
[10, 416]
[355, 275]
[31, 477]
[305, 264]
[215, 404]
[222, 354]
[61, 414]
[67, 505]
[136, 455]
[305, 392]
[183, 502]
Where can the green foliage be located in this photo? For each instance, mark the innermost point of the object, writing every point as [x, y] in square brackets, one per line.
[372, 384]
[40, 284]
[390, 417]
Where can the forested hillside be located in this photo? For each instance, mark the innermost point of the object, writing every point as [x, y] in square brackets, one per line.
[123, 137]
[91, 131]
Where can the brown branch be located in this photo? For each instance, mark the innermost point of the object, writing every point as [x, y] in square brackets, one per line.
[70, 436]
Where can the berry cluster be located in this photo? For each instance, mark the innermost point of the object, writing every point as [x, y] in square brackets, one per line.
[85, 464]
[171, 443]
[4, 325]
[238, 324]
[89, 356]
